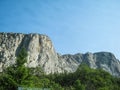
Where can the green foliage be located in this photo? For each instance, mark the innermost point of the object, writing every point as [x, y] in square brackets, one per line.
[21, 58]
[84, 78]
[78, 85]
[55, 86]
[37, 71]
[17, 75]
[7, 82]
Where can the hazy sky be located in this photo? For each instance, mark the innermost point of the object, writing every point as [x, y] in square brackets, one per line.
[74, 26]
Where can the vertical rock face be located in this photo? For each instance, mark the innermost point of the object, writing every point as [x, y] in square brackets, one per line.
[42, 53]
[39, 47]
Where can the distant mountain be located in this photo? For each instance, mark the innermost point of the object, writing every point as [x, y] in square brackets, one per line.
[42, 53]
[103, 60]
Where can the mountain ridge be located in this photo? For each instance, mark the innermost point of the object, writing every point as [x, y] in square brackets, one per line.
[41, 52]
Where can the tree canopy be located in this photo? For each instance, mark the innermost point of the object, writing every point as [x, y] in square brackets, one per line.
[85, 78]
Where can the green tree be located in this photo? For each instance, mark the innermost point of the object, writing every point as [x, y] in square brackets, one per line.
[78, 85]
[17, 74]
[21, 58]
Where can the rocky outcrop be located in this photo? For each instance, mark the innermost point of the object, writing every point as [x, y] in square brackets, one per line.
[103, 60]
[42, 53]
[39, 47]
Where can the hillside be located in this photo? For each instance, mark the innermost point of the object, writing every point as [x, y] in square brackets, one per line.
[41, 52]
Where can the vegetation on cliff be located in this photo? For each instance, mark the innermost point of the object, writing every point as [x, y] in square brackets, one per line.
[84, 78]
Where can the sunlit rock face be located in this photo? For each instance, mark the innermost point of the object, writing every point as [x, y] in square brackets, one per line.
[39, 47]
[42, 53]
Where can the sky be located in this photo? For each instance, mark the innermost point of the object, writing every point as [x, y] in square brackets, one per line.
[74, 26]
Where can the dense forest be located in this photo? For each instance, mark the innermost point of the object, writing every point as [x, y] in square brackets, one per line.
[84, 78]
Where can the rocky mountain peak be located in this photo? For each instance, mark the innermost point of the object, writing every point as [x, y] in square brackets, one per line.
[42, 53]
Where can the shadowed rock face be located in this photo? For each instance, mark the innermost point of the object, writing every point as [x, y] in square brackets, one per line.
[42, 53]
[103, 60]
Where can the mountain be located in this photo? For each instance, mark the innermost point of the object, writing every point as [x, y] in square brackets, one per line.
[100, 60]
[42, 53]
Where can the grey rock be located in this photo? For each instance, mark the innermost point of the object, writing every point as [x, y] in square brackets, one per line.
[100, 60]
[39, 47]
[42, 53]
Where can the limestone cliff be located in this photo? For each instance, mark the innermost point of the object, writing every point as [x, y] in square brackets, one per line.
[103, 60]
[42, 53]
[39, 47]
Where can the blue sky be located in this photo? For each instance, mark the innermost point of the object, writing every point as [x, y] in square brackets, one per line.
[74, 26]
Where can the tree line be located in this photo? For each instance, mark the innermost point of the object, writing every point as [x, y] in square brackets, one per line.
[84, 78]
